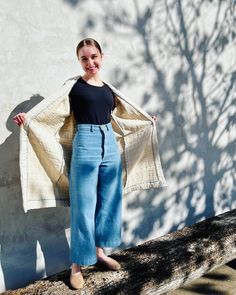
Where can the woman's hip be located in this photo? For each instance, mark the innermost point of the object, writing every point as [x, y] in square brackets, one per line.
[94, 141]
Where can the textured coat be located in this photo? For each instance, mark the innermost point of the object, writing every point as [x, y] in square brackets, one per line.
[46, 146]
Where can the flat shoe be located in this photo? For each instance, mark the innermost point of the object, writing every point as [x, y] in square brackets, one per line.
[77, 280]
[110, 263]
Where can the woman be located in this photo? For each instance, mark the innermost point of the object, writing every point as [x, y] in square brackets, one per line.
[95, 177]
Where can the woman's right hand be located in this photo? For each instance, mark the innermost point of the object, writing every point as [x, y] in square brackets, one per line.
[19, 118]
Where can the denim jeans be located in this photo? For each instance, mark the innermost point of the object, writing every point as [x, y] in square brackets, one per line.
[95, 185]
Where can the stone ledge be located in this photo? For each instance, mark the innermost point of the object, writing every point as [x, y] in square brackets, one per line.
[157, 266]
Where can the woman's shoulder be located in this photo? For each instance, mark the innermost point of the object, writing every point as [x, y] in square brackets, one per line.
[72, 79]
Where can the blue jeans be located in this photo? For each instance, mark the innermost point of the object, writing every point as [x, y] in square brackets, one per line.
[95, 192]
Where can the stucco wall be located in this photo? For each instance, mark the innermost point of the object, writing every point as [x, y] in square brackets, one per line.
[175, 59]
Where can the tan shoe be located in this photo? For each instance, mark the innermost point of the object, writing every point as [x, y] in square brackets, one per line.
[110, 263]
[76, 280]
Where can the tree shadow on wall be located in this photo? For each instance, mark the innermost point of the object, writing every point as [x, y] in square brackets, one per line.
[73, 2]
[196, 110]
[24, 235]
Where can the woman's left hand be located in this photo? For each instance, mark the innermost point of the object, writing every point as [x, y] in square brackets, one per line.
[155, 118]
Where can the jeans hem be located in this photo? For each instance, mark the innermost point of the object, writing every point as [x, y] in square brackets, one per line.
[83, 262]
[110, 244]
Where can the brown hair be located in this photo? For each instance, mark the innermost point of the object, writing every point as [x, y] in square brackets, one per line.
[88, 41]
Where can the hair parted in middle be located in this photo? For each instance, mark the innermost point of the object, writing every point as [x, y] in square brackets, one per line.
[88, 42]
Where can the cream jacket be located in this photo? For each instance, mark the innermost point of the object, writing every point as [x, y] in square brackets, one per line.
[46, 146]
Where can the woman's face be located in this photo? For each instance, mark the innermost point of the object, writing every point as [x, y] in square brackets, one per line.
[90, 59]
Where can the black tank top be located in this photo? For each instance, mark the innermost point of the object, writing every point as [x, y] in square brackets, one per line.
[91, 104]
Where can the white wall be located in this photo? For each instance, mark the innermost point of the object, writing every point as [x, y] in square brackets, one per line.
[172, 58]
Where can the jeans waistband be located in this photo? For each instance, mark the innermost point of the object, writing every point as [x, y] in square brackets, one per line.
[94, 127]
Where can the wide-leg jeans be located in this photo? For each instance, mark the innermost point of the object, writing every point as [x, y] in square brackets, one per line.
[95, 185]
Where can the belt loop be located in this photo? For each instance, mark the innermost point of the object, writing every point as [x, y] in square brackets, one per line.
[107, 127]
[91, 128]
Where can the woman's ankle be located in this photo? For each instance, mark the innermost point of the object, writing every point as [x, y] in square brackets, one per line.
[75, 268]
[100, 252]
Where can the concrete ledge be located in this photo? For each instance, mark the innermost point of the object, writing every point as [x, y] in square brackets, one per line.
[157, 266]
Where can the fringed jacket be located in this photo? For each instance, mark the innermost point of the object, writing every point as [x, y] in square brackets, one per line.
[46, 146]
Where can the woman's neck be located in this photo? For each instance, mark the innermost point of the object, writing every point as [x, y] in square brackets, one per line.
[94, 79]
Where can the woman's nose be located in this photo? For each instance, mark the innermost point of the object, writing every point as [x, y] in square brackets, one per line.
[90, 61]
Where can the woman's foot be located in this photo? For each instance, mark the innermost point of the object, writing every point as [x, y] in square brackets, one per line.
[76, 277]
[109, 262]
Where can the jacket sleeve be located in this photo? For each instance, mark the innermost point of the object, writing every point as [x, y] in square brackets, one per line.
[137, 137]
[43, 139]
